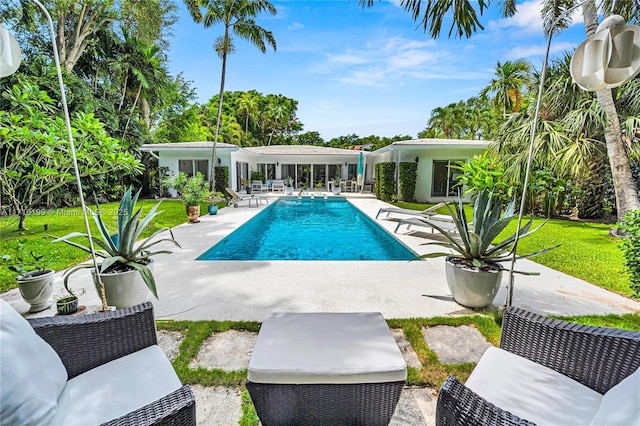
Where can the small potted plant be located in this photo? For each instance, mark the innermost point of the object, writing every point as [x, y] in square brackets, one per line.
[473, 269]
[337, 185]
[194, 190]
[35, 279]
[125, 268]
[288, 185]
[318, 186]
[214, 199]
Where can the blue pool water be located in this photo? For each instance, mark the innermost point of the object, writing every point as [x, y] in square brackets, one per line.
[292, 229]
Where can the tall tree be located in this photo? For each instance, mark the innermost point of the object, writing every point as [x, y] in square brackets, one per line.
[627, 197]
[237, 17]
[510, 82]
[248, 106]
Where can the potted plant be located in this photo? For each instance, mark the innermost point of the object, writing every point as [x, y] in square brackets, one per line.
[35, 279]
[214, 199]
[318, 186]
[288, 188]
[474, 272]
[125, 268]
[194, 190]
[337, 185]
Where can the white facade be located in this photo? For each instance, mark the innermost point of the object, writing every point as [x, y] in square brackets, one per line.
[312, 165]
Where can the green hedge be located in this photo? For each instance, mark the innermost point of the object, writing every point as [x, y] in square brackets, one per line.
[385, 181]
[408, 175]
[221, 174]
[631, 249]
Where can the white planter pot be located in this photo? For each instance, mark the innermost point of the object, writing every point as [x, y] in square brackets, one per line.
[36, 288]
[124, 289]
[472, 288]
[336, 190]
[288, 190]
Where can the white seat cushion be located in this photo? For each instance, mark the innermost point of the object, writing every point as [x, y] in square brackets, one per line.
[32, 375]
[117, 388]
[620, 406]
[532, 391]
[313, 348]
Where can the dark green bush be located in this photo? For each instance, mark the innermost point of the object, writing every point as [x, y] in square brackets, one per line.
[631, 249]
[385, 181]
[222, 178]
[408, 176]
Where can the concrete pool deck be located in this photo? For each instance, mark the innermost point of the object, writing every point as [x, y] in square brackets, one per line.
[249, 290]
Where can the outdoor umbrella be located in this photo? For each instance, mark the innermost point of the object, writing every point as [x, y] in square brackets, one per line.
[360, 170]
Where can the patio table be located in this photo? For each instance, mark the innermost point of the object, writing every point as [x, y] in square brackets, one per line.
[325, 369]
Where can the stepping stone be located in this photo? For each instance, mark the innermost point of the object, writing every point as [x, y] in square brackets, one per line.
[169, 342]
[217, 406]
[455, 345]
[417, 407]
[230, 350]
[410, 356]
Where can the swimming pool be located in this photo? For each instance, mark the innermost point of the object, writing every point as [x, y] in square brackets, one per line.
[309, 229]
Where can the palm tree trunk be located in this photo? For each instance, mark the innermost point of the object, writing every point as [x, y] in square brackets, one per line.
[212, 177]
[124, 92]
[626, 193]
[133, 107]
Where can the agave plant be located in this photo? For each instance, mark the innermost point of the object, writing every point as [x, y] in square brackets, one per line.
[475, 245]
[119, 251]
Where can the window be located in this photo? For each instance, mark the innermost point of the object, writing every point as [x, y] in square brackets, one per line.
[445, 178]
[267, 170]
[191, 167]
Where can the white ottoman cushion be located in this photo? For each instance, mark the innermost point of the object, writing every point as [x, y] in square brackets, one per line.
[32, 375]
[620, 406]
[117, 388]
[532, 391]
[315, 348]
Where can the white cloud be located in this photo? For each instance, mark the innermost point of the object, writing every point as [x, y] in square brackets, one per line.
[347, 58]
[528, 19]
[295, 26]
[538, 50]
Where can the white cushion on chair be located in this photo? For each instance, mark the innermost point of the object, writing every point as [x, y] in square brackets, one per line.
[532, 391]
[117, 388]
[620, 406]
[32, 375]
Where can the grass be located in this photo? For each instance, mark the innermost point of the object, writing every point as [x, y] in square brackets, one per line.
[587, 250]
[64, 221]
[432, 374]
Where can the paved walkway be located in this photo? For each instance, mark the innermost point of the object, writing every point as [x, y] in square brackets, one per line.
[249, 290]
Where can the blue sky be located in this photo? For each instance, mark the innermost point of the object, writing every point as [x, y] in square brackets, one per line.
[370, 71]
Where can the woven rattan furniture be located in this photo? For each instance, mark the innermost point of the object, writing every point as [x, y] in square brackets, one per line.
[598, 358]
[325, 369]
[87, 343]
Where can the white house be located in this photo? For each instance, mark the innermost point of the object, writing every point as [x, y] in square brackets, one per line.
[309, 165]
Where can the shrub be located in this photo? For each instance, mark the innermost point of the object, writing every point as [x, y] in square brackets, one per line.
[631, 249]
[385, 181]
[408, 176]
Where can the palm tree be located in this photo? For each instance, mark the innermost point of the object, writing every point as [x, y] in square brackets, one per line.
[511, 78]
[237, 16]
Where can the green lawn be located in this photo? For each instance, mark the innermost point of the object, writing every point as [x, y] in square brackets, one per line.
[64, 221]
[587, 251]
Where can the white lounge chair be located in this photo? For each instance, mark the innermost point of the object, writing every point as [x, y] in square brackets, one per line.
[446, 225]
[236, 198]
[426, 212]
[277, 186]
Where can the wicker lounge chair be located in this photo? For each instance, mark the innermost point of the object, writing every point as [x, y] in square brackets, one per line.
[426, 212]
[88, 367]
[237, 198]
[574, 366]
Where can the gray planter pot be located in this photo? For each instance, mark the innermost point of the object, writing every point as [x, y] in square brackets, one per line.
[124, 289]
[472, 288]
[36, 288]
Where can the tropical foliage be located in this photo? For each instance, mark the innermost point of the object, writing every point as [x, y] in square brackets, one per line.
[631, 249]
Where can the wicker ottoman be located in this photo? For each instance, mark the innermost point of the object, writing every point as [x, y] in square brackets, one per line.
[325, 369]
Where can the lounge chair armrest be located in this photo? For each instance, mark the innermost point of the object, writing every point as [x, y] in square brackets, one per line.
[84, 342]
[177, 408]
[460, 406]
[597, 357]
